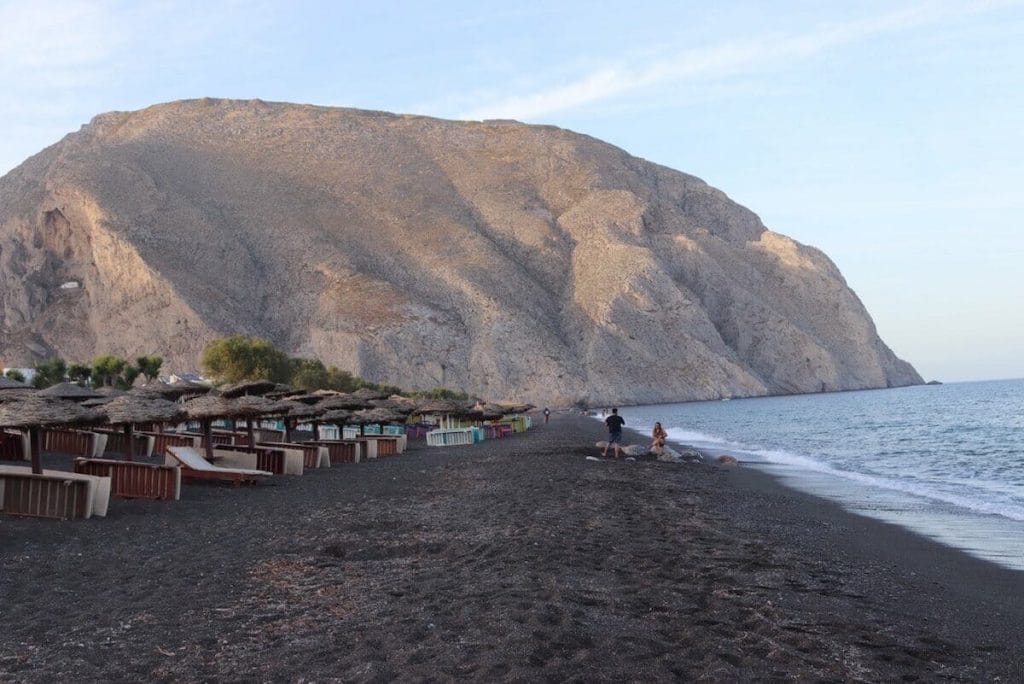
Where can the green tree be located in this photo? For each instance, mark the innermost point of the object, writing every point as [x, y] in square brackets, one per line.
[308, 374]
[341, 380]
[80, 373]
[236, 358]
[440, 393]
[49, 372]
[149, 366]
[126, 378]
[15, 374]
[107, 369]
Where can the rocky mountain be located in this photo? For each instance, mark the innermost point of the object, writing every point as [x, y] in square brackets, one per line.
[513, 261]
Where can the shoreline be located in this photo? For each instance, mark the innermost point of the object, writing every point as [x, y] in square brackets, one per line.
[510, 559]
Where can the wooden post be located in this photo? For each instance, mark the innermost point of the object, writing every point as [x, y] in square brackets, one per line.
[208, 437]
[34, 438]
[252, 437]
[129, 435]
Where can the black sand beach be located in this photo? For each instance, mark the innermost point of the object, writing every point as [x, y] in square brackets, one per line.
[514, 559]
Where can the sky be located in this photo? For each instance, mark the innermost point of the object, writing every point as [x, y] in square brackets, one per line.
[888, 134]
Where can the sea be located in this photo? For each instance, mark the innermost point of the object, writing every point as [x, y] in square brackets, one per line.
[946, 461]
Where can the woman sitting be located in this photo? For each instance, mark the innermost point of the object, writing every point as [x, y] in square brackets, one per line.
[658, 437]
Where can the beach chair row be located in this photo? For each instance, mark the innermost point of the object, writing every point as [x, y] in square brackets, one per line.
[86, 491]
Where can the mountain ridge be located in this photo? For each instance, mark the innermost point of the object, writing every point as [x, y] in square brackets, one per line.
[507, 259]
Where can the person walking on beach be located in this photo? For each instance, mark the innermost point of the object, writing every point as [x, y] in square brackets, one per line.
[614, 423]
[658, 437]
[547, 415]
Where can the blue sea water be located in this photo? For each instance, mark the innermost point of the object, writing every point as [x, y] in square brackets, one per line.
[946, 461]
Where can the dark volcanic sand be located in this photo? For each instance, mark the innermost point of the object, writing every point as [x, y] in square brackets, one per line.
[513, 559]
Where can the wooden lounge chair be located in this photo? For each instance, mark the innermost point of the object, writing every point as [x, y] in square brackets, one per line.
[135, 480]
[195, 467]
[313, 456]
[53, 494]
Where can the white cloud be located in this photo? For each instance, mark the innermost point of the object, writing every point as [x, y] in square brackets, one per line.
[623, 78]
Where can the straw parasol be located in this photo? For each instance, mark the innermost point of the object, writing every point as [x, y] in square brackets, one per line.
[251, 406]
[69, 390]
[245, 387]
[181, 388]
[369, 416]
[375, 415]
[487, 411]
[128, 409]
[17, 394]
[447, 407]
[292, 411]
[367, 393]
[106, 394]
[334, 417]
[282, 391]
[344, 401]
[36, 411]
[206, 409]
[397, 404]
[512, 407]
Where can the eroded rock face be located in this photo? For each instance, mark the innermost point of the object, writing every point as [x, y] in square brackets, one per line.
[510, 260]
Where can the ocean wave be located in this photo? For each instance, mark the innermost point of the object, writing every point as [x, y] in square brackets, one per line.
[980, 500]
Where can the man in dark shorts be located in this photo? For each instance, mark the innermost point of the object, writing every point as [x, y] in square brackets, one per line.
[614, 423]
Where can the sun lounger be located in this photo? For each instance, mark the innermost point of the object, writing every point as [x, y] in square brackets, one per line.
[53, 494]
[339, 451]
[117, 443]
[312, 456]
[73, 442]
[133, 480]
[14, 446]
[274, 458]
[162, 440]
[195, 467]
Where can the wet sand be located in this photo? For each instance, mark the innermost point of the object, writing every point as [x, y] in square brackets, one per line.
[514, 559]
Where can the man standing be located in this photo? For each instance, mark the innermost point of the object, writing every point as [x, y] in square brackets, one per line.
[547, 415]
[614, 423]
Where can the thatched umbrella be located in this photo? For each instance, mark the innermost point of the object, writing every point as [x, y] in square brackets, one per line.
[292, 411]
[7, 383]
[444, 407]
[177, 390]
[344, 401]
[487, 411]
[129, 409]
[206, 409]
[17, 394]
[38, 411]
[397, 404]
[339, 417]
[107, 394]
[374, 415]
[512, 407]
[306, 398]
[238, 389]
[282, 391]
[367, 393]
[69, 390]
[251, 407]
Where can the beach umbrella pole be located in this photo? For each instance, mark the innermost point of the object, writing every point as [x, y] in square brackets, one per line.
[34, 446]
[129, 435]
[208, 438]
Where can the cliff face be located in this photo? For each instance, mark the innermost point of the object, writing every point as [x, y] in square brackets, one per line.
[510, 260]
